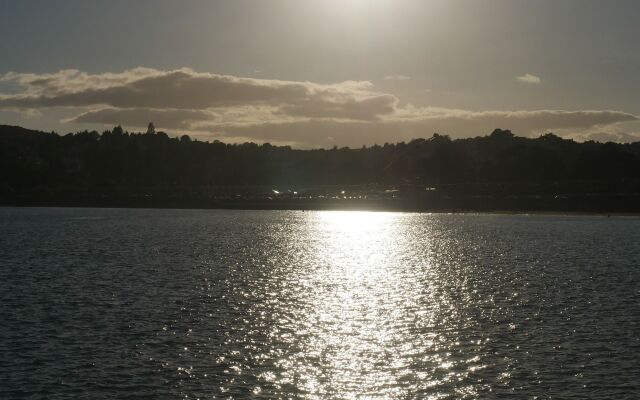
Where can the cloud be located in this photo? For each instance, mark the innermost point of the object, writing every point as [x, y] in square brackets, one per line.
[187, 89]
[167, 119]
[269, 124]
[364, 109]
[397, 78]
[306, 114]
[619, 132]
[603, 137]
[187, 120]
[72, 80]
[415, 123]
[530, 79]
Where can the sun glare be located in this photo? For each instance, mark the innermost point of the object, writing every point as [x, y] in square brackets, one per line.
[354, 7]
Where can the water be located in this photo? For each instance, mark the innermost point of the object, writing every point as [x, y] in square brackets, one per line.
[168, 304]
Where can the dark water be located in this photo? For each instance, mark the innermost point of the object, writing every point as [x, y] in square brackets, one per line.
[167, 304]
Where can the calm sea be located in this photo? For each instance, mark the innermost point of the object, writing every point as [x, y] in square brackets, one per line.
[169, 304]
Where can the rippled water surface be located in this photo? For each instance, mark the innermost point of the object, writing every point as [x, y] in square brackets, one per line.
[167, 304]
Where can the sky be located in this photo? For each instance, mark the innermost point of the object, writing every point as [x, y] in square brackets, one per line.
[318, 73]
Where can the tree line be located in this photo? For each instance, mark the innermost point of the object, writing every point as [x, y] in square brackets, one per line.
[120, 162]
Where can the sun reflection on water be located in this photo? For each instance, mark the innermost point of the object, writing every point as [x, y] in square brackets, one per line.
[362, 311]
[363, 306]
[351, 303]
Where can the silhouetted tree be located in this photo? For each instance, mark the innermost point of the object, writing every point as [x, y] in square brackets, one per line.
[117, 131]
[151, 129]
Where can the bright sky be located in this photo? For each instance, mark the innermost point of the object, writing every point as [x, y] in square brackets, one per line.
[318, 73]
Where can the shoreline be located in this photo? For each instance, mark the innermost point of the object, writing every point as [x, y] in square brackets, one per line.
[339, 205]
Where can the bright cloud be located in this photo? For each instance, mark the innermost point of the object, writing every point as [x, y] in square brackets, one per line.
[530, 79]
[397, 78]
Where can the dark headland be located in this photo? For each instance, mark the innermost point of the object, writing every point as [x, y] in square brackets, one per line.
[497, 172]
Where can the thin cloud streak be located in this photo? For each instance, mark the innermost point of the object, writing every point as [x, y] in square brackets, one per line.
[397, 78]
[530, 79]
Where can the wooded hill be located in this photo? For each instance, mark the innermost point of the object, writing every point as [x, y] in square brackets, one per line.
[40, 165]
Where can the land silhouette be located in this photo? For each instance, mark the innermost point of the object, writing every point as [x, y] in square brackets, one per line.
[497, 172]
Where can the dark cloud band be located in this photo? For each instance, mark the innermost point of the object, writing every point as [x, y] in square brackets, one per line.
[305, 113]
